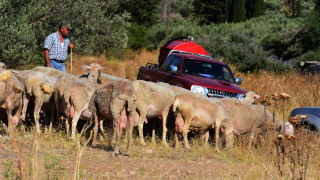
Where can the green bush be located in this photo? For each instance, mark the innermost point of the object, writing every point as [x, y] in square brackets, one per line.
[285, 44]
[137, 36]
[242, 52]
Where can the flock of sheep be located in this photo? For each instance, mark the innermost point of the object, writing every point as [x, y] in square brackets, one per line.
[123, 104]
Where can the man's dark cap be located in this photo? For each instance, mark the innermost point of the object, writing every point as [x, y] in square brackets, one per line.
[65, 24]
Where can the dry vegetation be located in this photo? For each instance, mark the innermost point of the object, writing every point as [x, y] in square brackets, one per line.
[271, 157]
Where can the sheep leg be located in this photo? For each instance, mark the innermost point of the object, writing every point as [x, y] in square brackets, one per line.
[74, 124]
[67, 127]
[204, 135]
[36, 112]
[95, 130]
[9, 114]
[25, 106]
[185, 132]
[140, 127]
[101, 125]
[217, 131]
[164, 127]
[176, 138]
[252, 133]
[110, 129]
[119, 133]
[129, 133]
[229, 138]
[153, 139]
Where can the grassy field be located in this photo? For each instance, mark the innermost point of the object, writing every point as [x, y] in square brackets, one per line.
[52, 156]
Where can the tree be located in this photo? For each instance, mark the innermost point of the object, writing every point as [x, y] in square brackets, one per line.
[238, 11]
[25, 24]
[212, 11]
[317, 6]
[142, 12]
[258, 8]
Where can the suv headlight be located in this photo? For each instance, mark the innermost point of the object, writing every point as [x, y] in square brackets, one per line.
[241, 97]
[199, 89]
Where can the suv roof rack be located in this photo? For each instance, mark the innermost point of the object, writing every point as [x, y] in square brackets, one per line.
[185, 52]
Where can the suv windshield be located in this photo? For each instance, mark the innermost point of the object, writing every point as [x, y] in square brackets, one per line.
[207, 69]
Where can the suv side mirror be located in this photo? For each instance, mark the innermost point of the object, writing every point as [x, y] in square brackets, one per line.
[173, 69]
[239, 81]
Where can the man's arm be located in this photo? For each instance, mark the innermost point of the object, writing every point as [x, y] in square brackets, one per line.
[46, 56]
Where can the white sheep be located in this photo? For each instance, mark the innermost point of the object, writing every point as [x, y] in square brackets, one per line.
[77, 94]
[91, 79]
[153, 100]
[199, 112]
[11, 97]
[249, 118]
[251, 97]
[39, 88]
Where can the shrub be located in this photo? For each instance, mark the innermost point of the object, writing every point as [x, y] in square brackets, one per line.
[242, 52]
[286, 44]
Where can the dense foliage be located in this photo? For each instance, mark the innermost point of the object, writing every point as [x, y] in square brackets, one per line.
[25, 25]
[251, 34]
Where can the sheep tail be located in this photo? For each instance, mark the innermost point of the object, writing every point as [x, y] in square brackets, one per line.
[175, 105]
[46, 88]
[5, 75]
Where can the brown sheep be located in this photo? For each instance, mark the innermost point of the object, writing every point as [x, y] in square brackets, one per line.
[116, 103]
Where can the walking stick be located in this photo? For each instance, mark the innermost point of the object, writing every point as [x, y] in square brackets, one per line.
[71, 59]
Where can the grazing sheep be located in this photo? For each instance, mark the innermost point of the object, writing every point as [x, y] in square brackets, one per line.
[39, 88]
[199, 112]
[250, 97]
[153, 100]
[115, 102]
[11, 97]
[248, 118]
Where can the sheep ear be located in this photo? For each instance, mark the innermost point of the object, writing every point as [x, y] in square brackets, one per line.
[85, 67]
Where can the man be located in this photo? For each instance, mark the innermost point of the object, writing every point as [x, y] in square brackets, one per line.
[57, 46]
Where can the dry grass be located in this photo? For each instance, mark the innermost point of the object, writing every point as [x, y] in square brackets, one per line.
[270, 157]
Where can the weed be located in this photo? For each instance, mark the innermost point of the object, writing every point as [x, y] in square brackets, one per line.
[9, 173]
[53, 169]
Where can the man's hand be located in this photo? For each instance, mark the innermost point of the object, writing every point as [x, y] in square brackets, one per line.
[71, 46]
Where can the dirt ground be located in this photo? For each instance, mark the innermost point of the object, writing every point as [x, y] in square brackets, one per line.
[98, 163]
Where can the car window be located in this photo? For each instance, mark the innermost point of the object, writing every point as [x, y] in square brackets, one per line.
[168, 62]
[176, 62]
[207, 69]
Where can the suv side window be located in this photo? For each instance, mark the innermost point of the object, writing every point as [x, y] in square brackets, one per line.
[176, 62]
[168, 62]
